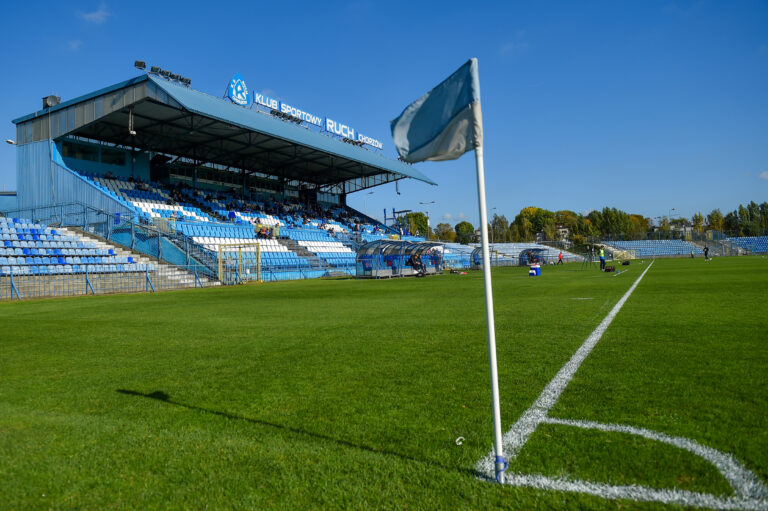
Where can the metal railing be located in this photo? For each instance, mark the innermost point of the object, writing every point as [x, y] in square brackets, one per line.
[159, 243]
[193, 265]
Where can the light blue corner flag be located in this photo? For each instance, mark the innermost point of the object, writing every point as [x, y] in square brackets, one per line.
[444, 123]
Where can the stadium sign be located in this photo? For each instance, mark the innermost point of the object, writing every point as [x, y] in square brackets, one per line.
[347, 132]
[273, 104]
[237, 91]
[326, 124]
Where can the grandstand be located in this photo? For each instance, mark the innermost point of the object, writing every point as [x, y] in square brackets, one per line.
[657, 248]
[754, 244]
[199, 172]
[457, 256]
[37, 260]
[148, 201]
[35, 249]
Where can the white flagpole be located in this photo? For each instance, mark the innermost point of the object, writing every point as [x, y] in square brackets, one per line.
[501, 463]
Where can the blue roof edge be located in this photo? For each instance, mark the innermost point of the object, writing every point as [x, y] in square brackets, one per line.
[290, 132]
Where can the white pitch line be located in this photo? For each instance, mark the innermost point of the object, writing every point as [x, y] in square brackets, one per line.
[743, 481]
[750, 492]
[635, 493]
[514, 439]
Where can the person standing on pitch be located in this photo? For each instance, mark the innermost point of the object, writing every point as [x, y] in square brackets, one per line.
[560, 258]
[602, 259]
[706, 253]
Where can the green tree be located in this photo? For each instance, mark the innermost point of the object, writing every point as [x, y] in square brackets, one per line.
[665, 227]
[698, 222]
[639, 225]
[550, 231]
[499, 229]
[445, 232]
[715, 220]
[579, 239]
[525, 230]
[465, 232]
[530, 221]
[415, 222]
[763, 217]
[567, 219]
[751, 223]
[595, 219]
[731, 223]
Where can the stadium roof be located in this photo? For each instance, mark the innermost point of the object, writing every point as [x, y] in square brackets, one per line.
[173, 119]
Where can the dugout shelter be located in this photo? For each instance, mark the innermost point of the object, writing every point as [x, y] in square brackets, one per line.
[395, 258]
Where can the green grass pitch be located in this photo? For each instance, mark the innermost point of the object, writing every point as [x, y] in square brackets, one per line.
[343, 394]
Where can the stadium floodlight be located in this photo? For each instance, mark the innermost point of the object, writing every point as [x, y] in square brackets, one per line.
[176, 77]
[186, 81]
[9, 141]
[155, 69]
[140, 64]
[165, 73]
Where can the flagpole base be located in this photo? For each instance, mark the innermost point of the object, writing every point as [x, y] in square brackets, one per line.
[501, 466]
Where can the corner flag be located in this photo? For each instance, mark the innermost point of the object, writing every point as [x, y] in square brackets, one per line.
[443, 124]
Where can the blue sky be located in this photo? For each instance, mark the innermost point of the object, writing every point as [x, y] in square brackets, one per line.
[644, 106]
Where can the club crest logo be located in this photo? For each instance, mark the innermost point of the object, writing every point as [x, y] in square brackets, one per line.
[237, 91]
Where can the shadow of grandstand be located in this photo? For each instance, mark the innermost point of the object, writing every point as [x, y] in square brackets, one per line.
[159, 395]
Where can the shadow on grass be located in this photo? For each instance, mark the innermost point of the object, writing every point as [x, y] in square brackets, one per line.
[159, 395]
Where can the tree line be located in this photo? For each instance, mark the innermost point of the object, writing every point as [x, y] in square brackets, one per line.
[746, 220]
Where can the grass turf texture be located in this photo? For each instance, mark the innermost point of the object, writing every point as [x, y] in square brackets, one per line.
[350, 394]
